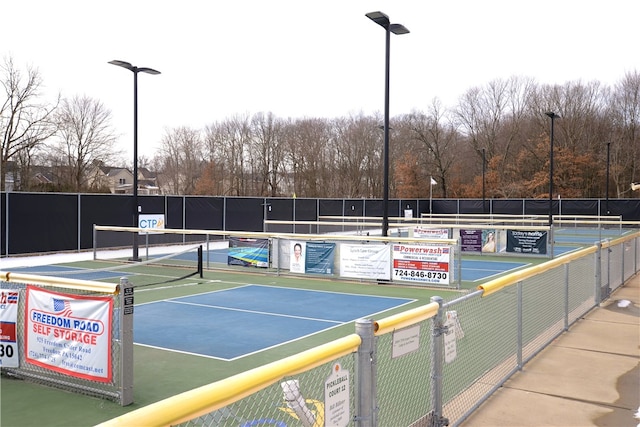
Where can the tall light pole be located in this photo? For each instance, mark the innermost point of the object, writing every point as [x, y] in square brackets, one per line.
[607, 183]
[383, 20]
[136, 211]
[553, 116]
[484, 162]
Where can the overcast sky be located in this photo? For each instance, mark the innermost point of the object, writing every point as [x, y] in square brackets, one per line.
[298, 58]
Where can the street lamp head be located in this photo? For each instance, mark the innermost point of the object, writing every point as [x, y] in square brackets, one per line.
[123, 64]
[379, 18]
[383, 20]
[398, 29]
[133, 68]
[552, 115]
[148, 70]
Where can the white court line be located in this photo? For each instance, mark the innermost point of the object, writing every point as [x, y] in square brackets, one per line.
[255, 312]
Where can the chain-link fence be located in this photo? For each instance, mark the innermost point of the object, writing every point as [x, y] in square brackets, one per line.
[430, 366]
[62, 351]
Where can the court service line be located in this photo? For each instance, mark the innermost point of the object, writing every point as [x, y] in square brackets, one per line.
[257, 312]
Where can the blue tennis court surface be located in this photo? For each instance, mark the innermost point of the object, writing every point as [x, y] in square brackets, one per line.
[236, 322]
[473, 270]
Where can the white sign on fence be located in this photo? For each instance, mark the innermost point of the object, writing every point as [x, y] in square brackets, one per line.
[336, 398]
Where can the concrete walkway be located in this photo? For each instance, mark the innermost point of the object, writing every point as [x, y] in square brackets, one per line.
[589, 376]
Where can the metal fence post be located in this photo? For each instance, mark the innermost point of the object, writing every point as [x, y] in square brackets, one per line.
[437, 333]
[366, 376]
[566, 297]
[520, 326]
[125, 330]
[598, 272]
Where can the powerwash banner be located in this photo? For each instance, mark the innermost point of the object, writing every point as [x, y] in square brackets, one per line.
[411, 263]
[69, 334]
[426, 264]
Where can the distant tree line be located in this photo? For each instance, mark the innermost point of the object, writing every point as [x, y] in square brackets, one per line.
[501, 124]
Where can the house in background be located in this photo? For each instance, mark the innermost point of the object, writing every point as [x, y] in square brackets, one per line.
[120, 180]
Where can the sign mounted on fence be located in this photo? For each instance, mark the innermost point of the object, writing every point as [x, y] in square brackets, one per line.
[365, 261]
[336, 398]
[8, 330]
[248, 252]
[151, 221]
[319, 259]
[405, 341]
[527, 242]
[430, 233]
[69, 334]
[421, 263]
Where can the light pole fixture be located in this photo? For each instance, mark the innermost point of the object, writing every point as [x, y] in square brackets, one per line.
[484, 162]
[383, 20]
[136, 209]
[607, 183]
[553, 116]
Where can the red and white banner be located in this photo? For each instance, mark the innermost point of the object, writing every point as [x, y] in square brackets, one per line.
[9, 357]
[70, 334]
[417, 263]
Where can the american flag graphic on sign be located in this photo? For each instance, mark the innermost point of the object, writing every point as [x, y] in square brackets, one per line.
[62, 307]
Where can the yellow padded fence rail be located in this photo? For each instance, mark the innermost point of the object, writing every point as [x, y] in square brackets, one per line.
[60, 282]
[211, 397]
[406, 318]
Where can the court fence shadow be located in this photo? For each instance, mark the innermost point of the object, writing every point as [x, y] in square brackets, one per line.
[429, 366]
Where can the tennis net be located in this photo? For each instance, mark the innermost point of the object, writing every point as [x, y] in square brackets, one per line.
[163, 265]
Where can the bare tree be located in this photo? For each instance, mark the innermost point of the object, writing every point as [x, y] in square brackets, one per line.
[181, 160]
[266, 154]
[437, 144]
[624, 113]
[310, 157]
[85, 137]
[358, 147]
[25, 121]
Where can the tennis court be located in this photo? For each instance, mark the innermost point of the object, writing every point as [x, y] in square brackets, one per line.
[237, 322]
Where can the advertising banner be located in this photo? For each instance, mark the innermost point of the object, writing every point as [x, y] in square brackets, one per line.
[297, 257]
[70, 334]
[248, 252]
[9, 357]
[319, 258]
[419, 263]
[527, 242]
[150, 221]
[431, 233]
[365, 261]
[470, 240]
